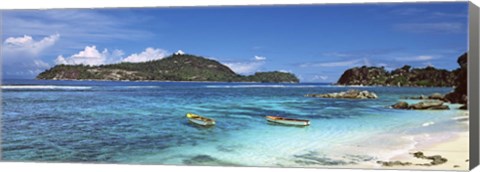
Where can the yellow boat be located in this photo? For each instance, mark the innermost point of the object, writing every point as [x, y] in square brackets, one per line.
[200, 120]
[288, 121]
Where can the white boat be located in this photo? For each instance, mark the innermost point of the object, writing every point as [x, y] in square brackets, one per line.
[288, 121]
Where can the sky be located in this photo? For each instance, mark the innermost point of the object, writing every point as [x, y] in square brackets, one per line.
[315, 42]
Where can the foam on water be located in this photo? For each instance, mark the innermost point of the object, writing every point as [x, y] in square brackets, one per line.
[139, 87]
[428, 124]
[265, 86]
[43, 87]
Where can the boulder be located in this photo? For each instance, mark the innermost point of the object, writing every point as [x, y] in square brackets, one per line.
[442, 107]
[421, 97]
[459, 95]
[429, 105]
[435, 159]
[394, 163]
[350, 94]
[400, 105]
[436, 96]
[425, 105]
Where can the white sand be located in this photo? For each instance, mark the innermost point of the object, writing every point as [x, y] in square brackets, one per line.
[455, 150]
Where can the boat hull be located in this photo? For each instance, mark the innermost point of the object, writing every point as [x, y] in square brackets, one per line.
[288, 121]
[200, 120]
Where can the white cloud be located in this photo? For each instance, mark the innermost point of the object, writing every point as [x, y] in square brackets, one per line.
[61, 60]
[260, 58]
[348, 63]
[41, 64]
[429, 64]
[27, 44]
[245, 67]
[338, 54]
[357, 54]
[408, 11]
[319, 77]
[382, 64]
[416, 58]
[77, 27]
[443, 27]
[115, 56]
[285, 71]
[386, 66]
[300, 77]
[148, 55]
[21, 55]
[89, 56]
[366, 62]
[454, 15]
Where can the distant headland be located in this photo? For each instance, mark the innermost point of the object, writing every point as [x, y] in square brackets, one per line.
[177, 67]
[407, 76]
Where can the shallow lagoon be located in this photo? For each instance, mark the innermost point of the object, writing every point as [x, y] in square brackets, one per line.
[144, 123]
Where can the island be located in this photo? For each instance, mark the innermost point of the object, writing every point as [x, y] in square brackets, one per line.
[350, 94]
[176, 67]
[407, 76]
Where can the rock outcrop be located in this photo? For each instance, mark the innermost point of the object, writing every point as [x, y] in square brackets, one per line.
[434, 160]
[459, 95]
[405, 76]
[434, 96]
[414, 77]
[400, 105]
[424, 105]
[350, 94]
[364, 76]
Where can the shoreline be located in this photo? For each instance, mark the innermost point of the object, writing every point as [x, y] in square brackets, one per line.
[246, 82]
[106, 80]
[454, 148]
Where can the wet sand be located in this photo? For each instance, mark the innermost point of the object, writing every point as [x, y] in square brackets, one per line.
[455, 150]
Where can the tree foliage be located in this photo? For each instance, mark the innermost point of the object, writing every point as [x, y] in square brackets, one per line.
[177, 67]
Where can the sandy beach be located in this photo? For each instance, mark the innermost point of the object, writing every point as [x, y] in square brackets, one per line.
[455, 150]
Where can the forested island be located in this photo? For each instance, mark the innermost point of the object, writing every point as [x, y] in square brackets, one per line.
[404, 76]
[407, 76]
[177, 67]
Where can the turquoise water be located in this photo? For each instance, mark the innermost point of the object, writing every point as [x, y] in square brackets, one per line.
[144, 123]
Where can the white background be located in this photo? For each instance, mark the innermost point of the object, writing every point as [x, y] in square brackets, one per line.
[77, 167]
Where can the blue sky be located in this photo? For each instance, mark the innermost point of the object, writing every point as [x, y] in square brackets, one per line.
[315, 42]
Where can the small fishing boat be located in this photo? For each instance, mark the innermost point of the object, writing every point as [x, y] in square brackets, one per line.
[288, 121]
[200, 120]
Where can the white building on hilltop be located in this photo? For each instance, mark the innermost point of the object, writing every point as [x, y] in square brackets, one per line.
[179, 52]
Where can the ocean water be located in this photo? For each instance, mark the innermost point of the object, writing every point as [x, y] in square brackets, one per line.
[144, 123]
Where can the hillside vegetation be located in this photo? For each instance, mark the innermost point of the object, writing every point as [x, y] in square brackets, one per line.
[177, 67]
